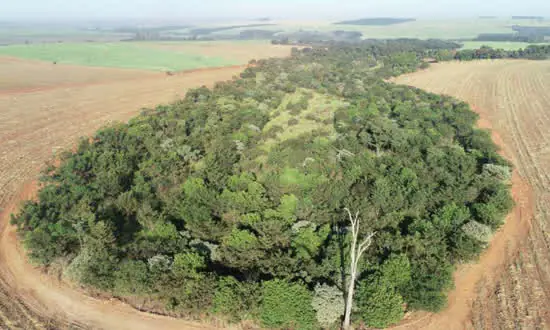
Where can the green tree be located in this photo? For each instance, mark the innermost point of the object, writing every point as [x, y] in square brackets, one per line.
[286, 305]
[378, 300]
[236, 300]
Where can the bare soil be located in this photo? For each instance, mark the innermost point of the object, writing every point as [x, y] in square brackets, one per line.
[237, 51]
[28, 75]
[509, 288]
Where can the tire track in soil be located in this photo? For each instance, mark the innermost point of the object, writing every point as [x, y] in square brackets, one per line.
[512, 96]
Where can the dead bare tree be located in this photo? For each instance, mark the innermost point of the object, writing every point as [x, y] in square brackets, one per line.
[356, 251]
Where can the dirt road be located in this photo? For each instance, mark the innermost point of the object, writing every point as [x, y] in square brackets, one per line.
[510, 287]
[35, 125]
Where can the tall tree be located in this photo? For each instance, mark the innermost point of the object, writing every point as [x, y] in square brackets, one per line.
[356, 251]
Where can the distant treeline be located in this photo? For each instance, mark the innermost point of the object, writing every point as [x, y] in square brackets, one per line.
[502, 37]
[257, 34]
[376, 21]
[533, 33]
[532, 52]
[487, 17]
[308, 37]
[414, 44]
[527, 17]
[156, 29]
[223, 28]
[252, 34]
[171, 33]
[521, 34]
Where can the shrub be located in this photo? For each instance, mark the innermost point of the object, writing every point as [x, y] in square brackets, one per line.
[424, 65]
[378, 300]
[478, 231]
[236, 300]
[397, 270]
[132, 278]
[293, 122]
[95, 265]
[77, 269]
[159, 264]
[188, 265]
[296, 108]
[188, 295]
[328, 302]
[95, 268]
[273, 132]
[378, 303]
[430, 278]
[500, 172]
[312, 117]
[465, 247]
[286, 305]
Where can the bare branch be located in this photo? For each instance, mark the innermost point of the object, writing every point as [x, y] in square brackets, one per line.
[364, 246]
[366, 242]
[351, 219]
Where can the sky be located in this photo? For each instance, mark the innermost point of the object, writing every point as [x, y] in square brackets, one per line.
[279, 9]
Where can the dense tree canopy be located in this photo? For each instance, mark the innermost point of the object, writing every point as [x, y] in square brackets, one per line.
[232, 200]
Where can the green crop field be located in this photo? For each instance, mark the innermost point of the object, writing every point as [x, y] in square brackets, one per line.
[119, 55]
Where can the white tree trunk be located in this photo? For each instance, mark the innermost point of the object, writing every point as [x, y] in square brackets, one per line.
[355, 255]
[349, 303]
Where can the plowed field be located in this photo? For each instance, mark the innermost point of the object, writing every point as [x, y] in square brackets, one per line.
[236, 51]
[18, 75]
[510, 286]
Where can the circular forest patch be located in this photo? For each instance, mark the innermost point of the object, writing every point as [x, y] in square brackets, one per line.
[232, 200]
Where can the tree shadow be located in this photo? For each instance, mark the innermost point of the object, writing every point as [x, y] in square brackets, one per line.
[341, 239]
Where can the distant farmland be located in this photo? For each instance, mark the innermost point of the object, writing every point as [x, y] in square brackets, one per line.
[377, 28]
[119, 55]
[464, 29]
[153, 56]
[379, 21]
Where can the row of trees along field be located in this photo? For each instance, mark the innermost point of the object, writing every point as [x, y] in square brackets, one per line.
[234, 200]
[532, 52]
